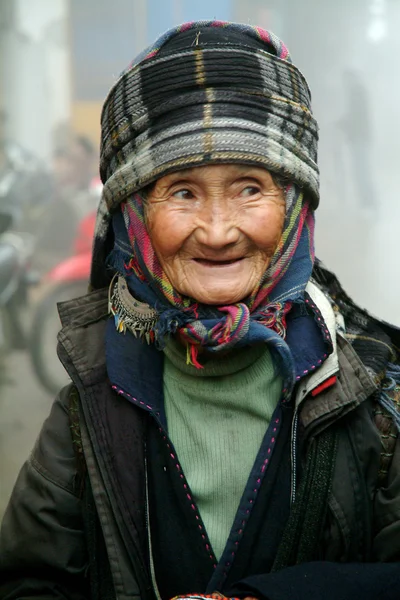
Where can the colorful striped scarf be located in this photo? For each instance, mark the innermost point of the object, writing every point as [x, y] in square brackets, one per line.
[260, 317]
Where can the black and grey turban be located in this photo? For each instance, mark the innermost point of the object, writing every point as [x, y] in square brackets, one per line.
[206, 92]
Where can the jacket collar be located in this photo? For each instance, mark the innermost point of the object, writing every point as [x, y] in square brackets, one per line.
[81, 339]
[353, 383]
[136, 369]
[82, 351]
[331, 365]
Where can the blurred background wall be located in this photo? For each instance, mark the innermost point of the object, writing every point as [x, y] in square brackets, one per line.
[59, 58]
[35, 70]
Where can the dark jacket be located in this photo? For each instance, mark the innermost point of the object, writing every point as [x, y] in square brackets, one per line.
[77, 526]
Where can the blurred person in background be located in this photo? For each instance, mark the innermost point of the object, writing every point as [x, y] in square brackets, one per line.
[62, 168]
[62, 217]
[83, 158]
[85, 175]
[356, 128]
[25, 182]
[231, 425]
[74, 178]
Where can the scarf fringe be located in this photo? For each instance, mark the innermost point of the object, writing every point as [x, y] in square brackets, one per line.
[192, 353]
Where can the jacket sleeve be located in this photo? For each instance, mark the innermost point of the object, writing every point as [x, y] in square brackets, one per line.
[387, 514]
[324, 581]
[42, 545]
[330, 581]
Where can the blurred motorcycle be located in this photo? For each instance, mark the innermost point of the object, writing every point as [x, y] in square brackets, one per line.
[16, 277]
[26, 186]
[67, 280]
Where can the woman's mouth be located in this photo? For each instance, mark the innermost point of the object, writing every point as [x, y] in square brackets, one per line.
[218, 263]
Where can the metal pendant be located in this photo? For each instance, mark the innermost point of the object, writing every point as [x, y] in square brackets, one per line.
[130, 314]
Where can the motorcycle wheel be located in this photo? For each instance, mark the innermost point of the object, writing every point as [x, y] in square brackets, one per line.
[43, 336]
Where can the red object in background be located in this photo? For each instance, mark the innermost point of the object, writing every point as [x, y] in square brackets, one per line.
[77, 266]
[84, 237]
[68, 279]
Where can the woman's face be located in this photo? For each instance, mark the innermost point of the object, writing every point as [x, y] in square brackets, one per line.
[215, 229]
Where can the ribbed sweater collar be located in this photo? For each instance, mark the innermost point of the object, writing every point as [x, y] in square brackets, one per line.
[214, 365]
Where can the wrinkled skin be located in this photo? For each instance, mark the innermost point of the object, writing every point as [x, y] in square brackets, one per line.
[215, 229]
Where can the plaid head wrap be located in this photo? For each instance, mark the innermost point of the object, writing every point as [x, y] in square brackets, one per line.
[205, 92]
[209, 92]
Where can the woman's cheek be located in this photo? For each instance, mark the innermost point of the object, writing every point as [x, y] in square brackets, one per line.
[267, 227]
[168, 229]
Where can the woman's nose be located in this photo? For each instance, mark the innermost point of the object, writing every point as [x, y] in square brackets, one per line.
[217, 226]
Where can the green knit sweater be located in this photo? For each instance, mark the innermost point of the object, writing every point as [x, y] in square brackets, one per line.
[217, 417]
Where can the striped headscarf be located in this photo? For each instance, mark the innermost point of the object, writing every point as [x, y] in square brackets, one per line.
[222, 327]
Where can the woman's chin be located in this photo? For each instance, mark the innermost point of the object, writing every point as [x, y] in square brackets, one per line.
[219, 296]
[218, 284]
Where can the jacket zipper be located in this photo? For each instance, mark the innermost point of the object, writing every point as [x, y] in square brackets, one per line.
[293, 482]
[148, 530]
[310, 430]
[295, 423]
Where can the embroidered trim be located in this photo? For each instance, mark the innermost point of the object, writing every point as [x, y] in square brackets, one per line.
[178, 467]
[131, 398]
[213, 596]
[189, 497]
[251, 501]
[319, 319]
[247, 503]
[325, 333]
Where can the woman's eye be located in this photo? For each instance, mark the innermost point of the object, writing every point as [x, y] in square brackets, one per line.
[183, 195]
[250, 190]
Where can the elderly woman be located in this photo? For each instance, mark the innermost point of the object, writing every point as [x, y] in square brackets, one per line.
[231, 426]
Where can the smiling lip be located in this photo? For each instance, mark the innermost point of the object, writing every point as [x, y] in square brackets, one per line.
[217, 263]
